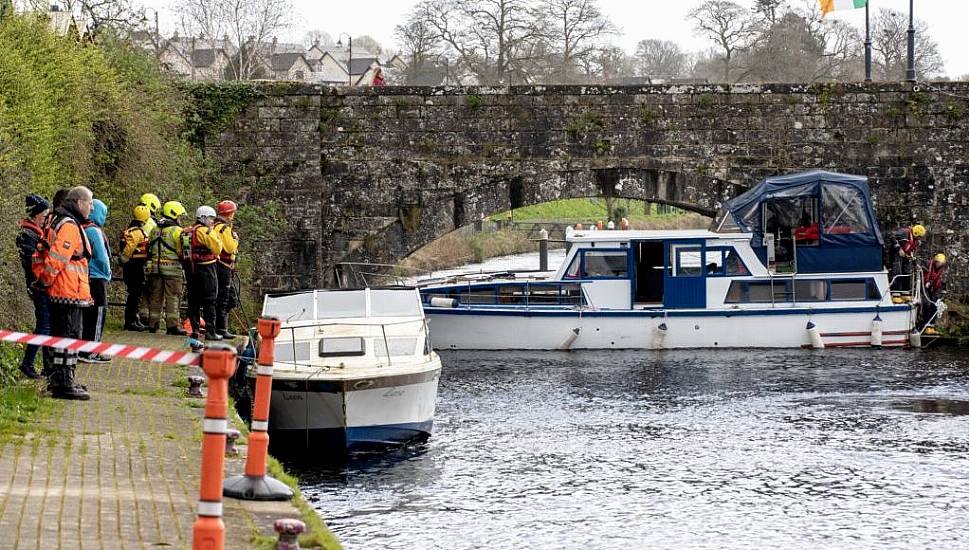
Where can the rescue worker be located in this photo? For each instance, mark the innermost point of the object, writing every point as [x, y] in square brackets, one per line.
[225, 267]
[165, 269]
[134, 257]
[61, 268]
[31, 232]
[99, 276]
[934, 280]
[150, 201]
[201, 248]
[901, 256]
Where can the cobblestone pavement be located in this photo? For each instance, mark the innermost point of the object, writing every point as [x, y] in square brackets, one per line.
[120, 470]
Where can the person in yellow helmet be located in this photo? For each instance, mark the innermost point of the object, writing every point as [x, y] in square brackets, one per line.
[165, 274]
[902, 255]
[150, 200]
[133, 257]
[933, 279]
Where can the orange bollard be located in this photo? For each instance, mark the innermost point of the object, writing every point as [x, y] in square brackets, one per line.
[255, 484]
[219, 363]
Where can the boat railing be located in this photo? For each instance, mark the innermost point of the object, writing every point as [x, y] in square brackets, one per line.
[287, 338]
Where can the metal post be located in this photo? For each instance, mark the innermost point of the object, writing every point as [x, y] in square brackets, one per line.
[208, 532]
[867, 46]
[543, 250]
[910, 72]
[256, 484]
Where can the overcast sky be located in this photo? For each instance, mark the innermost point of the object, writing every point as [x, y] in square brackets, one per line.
[638, 20]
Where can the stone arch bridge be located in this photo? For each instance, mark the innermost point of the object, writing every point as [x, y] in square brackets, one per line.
[370, 175]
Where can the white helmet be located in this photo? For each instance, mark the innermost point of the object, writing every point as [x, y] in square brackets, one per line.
[204, 212]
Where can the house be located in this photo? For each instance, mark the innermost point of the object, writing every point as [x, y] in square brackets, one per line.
[174, 61]
[329, 70]
[362, 70]
[209, 64]
[397, 62]
[290, 66]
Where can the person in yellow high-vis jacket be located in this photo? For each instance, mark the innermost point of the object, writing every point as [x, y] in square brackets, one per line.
[165, 274]
[225, 267]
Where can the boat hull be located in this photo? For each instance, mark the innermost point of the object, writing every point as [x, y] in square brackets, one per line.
[468, 328]
[352, 415]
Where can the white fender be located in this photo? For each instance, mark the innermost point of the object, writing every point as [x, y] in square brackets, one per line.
[567, 343]
[876, 332]
[814, 335]
[915, 339]
[659, 335]
[440, 301]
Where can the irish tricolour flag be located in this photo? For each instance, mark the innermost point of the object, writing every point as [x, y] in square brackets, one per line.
[831, 5]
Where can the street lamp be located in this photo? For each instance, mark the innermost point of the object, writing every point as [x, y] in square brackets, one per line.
[339, 44]
[910, 70]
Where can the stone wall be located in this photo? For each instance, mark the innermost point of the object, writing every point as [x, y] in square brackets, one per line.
[370, 175]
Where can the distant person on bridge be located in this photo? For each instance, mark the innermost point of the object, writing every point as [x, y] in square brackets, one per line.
[31, 232]
[225, 267]
[378, 77]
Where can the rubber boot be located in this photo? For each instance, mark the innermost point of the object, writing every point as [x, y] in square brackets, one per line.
[66, 387]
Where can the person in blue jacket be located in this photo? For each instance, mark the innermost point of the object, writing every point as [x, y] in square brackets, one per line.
[99, 275]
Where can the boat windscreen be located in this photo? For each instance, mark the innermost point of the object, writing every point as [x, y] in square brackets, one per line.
[395, 303]
[341, 304]
[289, 307]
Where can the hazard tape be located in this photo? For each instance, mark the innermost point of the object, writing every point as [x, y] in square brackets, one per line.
[103, 348]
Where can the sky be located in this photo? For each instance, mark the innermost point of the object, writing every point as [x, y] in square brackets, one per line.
[637, 19]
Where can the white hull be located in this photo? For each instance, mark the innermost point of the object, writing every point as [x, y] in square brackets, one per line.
[457, 329]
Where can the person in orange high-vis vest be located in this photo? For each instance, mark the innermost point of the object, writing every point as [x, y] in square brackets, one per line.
[61, 267]
[201, 246]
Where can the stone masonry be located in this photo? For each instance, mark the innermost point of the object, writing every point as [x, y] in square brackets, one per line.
[370, 175]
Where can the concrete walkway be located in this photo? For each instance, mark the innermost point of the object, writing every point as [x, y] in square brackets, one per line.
[120, 470]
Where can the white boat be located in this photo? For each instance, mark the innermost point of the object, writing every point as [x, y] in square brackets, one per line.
[353, 370]
[794, 262]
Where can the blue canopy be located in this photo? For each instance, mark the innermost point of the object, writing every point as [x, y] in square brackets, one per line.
[830, 216]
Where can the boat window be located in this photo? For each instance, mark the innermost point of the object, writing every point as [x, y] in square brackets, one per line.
[760, 292]
[291, 307]
[734, 265]
[510, 294]
[341, 304]
[605, 264]
[543, 294]
[394, 303]
[573, 271]
[341, 347]
[688, 260]
[844, 210]
[792, 217]
[853, 290]
[290, 351]
[478, 296]
[728, 224]
[398, 346]
[810, 291]
[713, 261]
[735, 294]
[571, 294]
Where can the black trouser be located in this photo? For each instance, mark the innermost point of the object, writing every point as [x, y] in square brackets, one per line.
[94, 315]
[203, 291]
[65, 321]
[227, 297]
[134, 279]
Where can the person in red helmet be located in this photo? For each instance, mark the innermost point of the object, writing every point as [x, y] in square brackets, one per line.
[225, 267]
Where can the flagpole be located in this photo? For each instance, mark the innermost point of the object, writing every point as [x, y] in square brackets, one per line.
[867, 44]
[910, 72]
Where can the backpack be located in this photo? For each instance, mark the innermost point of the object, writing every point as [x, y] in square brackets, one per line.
[39, 258]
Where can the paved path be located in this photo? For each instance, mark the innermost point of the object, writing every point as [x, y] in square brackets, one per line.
[120, 470]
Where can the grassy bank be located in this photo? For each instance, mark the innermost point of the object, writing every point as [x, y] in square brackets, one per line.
[463, 247]
[21, 402]
[591, 210]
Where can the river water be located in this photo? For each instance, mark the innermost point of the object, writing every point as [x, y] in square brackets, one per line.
[672, 449]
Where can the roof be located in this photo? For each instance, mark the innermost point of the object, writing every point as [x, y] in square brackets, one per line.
[203, 58]
[776, 184]
[361, 65]
[618, 235]
[285, 61]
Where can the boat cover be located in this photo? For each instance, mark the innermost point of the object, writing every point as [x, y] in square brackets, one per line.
[847, 232]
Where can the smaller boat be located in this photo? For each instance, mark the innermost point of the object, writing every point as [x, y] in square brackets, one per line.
[353, 371]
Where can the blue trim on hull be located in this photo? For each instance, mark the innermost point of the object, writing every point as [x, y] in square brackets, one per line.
[349, 440]
[656, 313]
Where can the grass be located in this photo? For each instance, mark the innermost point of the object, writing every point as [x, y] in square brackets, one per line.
[586, 210]
[21, 406]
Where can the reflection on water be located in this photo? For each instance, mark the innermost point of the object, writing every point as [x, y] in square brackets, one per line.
[685, 449]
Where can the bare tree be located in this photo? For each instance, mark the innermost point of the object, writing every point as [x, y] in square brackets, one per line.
[728, 25]
[769, 10]
[247, 24]
[420, 45]
[317, 37]
[574, 29]
[660, 58]
[889, 47]
[367, 43]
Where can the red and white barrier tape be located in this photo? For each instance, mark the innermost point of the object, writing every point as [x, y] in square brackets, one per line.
[104, 348]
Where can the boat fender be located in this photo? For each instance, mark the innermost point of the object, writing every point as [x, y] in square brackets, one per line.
[815, 336]
[567, 343]
[876, 332]
[440, 301]
[659, 335]
[915, 339]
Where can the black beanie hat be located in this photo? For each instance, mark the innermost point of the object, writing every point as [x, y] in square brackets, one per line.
[35, 205]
